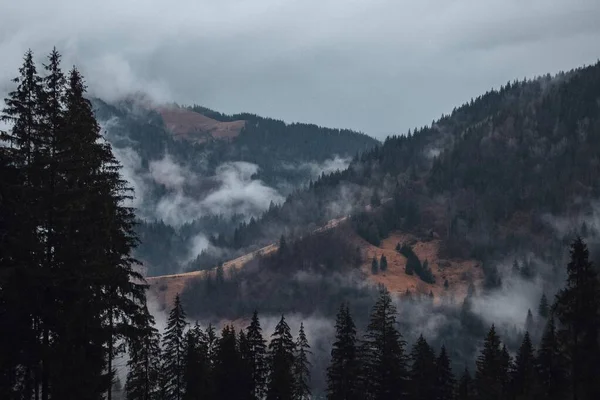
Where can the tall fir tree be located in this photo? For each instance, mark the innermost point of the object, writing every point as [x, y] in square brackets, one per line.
[384, 372]
[228, 365]
[144, 367]
[197, 375]
[174, 350]
[550, 366]
[466, 387]
[423, 373]
[523, 374]
[344, 368]
[257, 348]
[281, 354]
[544, 307]
[445, 381]
[302, 367]
[76, 239]
[577, 308]
[246, 383]
[489, 376]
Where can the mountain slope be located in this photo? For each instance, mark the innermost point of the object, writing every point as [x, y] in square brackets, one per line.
[198, 173]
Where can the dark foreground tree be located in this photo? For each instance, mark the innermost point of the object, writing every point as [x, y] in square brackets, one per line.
[143, 376]
[523, 374]
[74, 241]
[550, 366]
[281, 354]
[577, 308]
[446, 382]
[423, 371]
[302, 367]
[343, 371]
[257, 357]
[174, 350]
[384, 371]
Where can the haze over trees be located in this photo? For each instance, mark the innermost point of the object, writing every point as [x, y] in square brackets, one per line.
[73, 301]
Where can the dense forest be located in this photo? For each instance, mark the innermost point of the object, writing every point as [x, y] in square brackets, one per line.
[489, 179]
[558, 359]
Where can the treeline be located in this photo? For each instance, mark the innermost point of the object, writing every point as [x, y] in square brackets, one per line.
[377, 363]
[70, 297]
[192, 363]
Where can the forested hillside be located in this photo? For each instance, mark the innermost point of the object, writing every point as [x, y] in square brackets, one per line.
[491, 177]
[194, 178]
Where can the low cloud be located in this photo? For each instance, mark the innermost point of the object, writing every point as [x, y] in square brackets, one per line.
[234, 192]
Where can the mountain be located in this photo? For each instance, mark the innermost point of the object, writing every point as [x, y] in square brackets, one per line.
[495, 188]
[196, 172]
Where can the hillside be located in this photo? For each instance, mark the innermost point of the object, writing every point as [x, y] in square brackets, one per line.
[487, 194]
[198, 173]
[490, 178]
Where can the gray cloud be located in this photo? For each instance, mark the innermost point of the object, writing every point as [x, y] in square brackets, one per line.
[380, 66]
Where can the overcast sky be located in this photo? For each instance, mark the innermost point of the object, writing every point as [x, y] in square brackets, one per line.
[379, 66]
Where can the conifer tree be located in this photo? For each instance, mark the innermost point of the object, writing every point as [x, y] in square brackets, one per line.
[523, 374]
[383, 359]
[302, 367]
[383, 264]
[246, 384]
[20, 149]
[529, 323]
[197, 375]
[227, 365]
[143, 376]
[544, 307]
[445, 378]
[174, 350]
[374, 266]
[76, 238]
[550, 366]
[281, 355]
[577, 307]
[466, 387]
[423, 371]
[343, 371]
[257, 349]
[489, 377]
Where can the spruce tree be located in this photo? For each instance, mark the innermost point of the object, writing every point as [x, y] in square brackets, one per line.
[577, 308]
[344, 368]
[550, 366]
[384, 371]
[227, 365]
[529, 323]
[174, 350]
[544, 307]
[383, 264]
[423, 373]
[302, 367]
[246, 384]
[197, 375]
[489, 376]
[374, 266]
[446, 382]
[466, 387]
[523, 374]
[281, 354]
[143, 376]
[257, 349]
